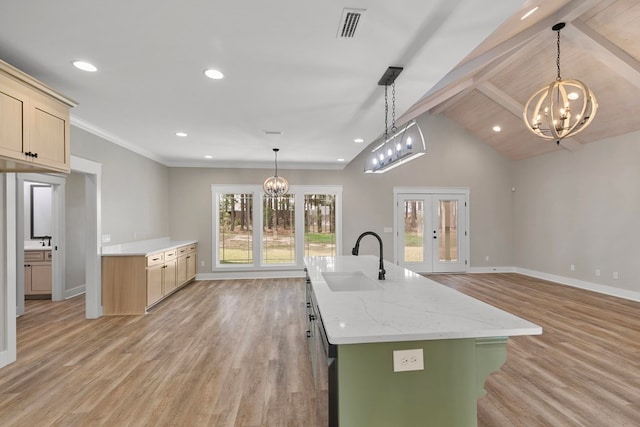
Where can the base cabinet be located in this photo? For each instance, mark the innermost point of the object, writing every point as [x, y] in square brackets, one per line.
[131, 284]
[37, 273]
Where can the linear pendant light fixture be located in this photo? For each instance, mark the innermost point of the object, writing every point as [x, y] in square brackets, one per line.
[275, 186]
[561, 109]
[399, 146]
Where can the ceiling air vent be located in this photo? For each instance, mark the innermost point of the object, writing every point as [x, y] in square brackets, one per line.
[349, 22]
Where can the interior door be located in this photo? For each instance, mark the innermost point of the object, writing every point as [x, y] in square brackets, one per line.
[431, 232]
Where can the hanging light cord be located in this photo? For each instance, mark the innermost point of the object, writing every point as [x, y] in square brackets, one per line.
[276, 151]
[393, 108]
[386, 114]
[558, 58]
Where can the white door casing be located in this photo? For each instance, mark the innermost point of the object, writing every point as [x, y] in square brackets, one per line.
[439, 223]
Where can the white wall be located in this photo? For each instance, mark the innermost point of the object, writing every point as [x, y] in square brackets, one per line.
[75, 221]
[581, 208]
[135, 196]
[454, 159]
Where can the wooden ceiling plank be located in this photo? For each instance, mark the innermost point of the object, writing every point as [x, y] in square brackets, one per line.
[462, 77]
[607, 52]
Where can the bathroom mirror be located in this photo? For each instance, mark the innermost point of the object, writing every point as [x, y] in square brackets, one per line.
[41, 223]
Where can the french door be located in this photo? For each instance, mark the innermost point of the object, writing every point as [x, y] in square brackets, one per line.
[432, 232]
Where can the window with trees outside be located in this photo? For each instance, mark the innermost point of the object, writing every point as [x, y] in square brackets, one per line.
[252, 230]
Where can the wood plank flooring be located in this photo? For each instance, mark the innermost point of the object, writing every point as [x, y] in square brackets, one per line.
[583, 371]
[233, 353]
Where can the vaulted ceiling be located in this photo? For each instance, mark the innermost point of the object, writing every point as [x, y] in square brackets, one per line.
[600, 46]
[287, 71]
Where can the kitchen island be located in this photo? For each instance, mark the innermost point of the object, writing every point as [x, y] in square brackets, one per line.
[358, 322]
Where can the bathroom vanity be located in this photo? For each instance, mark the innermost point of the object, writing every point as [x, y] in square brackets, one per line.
[37, 272]
[359, 327]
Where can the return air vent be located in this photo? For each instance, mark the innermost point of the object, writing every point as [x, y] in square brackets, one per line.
[349, 22]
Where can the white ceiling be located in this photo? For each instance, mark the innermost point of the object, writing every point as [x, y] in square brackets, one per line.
[285, 70]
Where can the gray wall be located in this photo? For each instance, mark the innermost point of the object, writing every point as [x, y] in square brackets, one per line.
[454, 159]
[135, 196]
[580, 208]
[75, 225]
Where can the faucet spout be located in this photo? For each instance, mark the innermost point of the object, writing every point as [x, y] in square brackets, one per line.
[356, 250]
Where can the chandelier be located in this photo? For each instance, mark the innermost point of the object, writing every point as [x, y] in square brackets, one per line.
[275, 186]
[400, 145]
[561, 109]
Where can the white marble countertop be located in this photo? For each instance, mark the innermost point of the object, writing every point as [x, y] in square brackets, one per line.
[409, 307]
[37, 248]
[144, 247]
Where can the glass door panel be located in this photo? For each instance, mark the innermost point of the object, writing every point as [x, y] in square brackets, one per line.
[428, 232]
[413, 231]
[448, 230]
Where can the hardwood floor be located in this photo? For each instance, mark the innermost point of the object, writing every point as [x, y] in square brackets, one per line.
[583, 371]
[233, 353]
[215, 354]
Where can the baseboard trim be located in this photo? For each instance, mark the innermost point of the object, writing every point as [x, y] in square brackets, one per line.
[226, 275]
[70, 293]
[483, 270]
[576, 283]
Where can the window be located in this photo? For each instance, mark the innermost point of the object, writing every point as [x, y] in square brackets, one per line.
[235, 228]
[254, 231]
[278, 234]
[319, 225]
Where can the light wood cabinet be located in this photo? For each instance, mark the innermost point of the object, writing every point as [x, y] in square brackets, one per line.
[186, 263]
[37, 273]
[133, 283]
[34, 124]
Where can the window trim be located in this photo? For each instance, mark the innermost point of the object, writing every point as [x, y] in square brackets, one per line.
[258, 215]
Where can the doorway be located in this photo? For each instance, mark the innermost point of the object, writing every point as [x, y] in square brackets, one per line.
[49, 228]
[432, 230]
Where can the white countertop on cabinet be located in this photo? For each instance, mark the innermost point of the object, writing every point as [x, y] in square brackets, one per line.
[408, 307]
[144, 247]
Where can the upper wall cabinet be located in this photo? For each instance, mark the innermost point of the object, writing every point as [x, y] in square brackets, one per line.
[34, 124]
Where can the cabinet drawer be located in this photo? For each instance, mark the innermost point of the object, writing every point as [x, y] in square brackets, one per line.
[169, 255]
[192, 248]
[155, 259]
[35, 255]
[47, 255]
[182, 250]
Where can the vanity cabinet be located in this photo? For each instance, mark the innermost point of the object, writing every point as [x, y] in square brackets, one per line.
[131, 284]
[34, 124]
[37, 273]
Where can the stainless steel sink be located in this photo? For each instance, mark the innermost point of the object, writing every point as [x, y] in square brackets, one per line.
[354, 281]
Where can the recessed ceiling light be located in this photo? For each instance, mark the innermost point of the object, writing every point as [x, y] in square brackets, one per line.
[341, 160]
[85, 66]
[528, 14]
[497, 128]
[358, 140]
[182, 134]
[213, 74]
[208, 157]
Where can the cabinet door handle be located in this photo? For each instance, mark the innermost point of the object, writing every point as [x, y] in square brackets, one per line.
[312, 317]
[308, 334]
[35, 155]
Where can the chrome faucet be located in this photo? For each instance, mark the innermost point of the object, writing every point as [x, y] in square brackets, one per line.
[356, 249]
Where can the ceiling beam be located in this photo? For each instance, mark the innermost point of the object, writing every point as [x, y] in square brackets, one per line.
[607, 52]
[461, 78]
[516, 108]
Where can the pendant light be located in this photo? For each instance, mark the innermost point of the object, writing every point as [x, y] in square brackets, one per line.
[400, 145]
[561, 109]
[275, 186]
